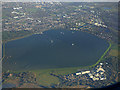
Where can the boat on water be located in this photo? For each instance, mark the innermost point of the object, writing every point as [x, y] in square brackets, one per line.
[62, 33]
[51, 41]
[73, 44]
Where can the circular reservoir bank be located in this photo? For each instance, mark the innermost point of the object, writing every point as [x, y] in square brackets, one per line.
[53, 49]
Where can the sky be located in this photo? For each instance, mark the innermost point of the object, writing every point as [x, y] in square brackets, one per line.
[60, 0]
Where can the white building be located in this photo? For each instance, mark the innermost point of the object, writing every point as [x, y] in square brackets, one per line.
[85, 72]
[78, 73]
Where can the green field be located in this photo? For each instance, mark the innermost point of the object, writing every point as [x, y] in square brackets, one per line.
[44, 78]
[114, 50]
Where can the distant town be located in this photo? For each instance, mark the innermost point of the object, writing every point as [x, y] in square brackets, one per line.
[38, 17]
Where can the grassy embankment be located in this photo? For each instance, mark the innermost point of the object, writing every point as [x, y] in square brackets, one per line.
[102, 57]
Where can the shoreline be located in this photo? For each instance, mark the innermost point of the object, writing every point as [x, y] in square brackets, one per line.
[5, 41]
[18, 38]
[101, 58]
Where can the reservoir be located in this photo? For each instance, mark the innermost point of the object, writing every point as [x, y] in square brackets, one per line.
[53, 49]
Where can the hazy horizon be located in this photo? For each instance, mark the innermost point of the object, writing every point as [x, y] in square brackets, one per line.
[60, 0]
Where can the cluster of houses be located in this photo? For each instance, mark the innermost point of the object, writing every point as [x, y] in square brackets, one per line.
[18, 13]
[97, 74]
[97, 24]
[17, 8]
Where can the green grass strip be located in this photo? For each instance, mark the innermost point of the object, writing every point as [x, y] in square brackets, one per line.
[102, 55]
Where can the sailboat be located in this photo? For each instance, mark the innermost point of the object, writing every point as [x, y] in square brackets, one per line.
[51, 41]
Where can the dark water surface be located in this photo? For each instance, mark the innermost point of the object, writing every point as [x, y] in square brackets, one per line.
[54, 49]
